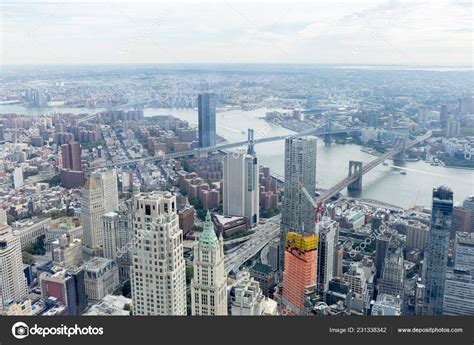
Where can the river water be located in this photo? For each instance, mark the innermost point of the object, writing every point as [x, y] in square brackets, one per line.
[383, 183]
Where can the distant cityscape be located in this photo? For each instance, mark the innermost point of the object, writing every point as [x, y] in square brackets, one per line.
[258, 190]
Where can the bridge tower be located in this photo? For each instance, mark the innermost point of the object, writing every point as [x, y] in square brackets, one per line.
[355, 168]
[399, 158]
[327, 136]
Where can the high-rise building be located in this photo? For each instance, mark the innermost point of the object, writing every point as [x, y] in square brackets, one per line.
[393, 275]
[382, 243]
[71, 155]
[207, 119]
[208, 287]
[327, 233]
[436, 255]
[13, 286]
[92, 210]
[265, 276]
[67, 286]
[117, 231]
[461, 220]
[108, 180]
[299, 275]
[464, 251]
[241, 186]
[459, 292]
[417, 235]
[298, 213]
[468, 204]
[443, 116]
[158, 273]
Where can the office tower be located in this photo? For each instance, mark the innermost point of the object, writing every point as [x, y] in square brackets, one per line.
[108, 180]
[71, 155]
[13, 286]
[461, 221]
[101, 277]
[464, 251]
[443, 116]
[274, 254]
[393, 275]
[207, 119]
[459, 292]
[208, 287]
[67, 286]
[158, 273]
[241, 186]
[92, 210]
[436, 255]
[338, 260]
[117, 231]
[2, 135]
[67, 251]
[382, 242]
[327, 232]
[358, 282]
[71, 174]
[299, 275]
[468, 204]
[297, 212]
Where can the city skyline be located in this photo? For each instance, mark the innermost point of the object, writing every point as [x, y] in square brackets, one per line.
[363, 32]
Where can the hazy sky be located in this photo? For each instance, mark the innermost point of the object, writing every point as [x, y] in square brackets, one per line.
[322, 32]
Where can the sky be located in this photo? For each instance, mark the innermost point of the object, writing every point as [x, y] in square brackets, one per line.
[411, 32]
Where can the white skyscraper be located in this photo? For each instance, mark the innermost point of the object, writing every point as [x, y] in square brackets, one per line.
[158, 271]
[241, 185]
[208, 287]
[117, 231]
[99, 196]
[108, 179]
[13, 286]
[92, 210]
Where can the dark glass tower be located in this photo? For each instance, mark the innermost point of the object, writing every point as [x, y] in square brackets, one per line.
[207, 119]
[437, 250]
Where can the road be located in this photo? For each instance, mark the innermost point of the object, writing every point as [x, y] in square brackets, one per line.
[263, 234]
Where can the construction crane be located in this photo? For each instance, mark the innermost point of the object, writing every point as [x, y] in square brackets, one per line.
[318, 208]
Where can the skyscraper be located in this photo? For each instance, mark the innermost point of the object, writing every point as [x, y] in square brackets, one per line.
[437, 250]
[158, 273]
[299, 276]
[241, 185]
[208, 287]
[99, 196]
[382, 243]
[468, 204]
[298, 213]
[207, 119]
[92, 209]
[327, 233]
[71, 155]
[393, 275]
[464, 251]
[13, 286]
[117, 232]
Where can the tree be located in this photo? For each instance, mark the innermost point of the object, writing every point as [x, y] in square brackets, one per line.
[37, 247]
[28, 258]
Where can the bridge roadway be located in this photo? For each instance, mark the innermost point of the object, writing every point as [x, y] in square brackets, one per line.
[242, 144]
[366, 168]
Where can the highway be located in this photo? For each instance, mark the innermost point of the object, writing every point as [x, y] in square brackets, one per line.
[263, 234]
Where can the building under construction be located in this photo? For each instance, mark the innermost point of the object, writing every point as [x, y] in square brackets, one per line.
[299, 276]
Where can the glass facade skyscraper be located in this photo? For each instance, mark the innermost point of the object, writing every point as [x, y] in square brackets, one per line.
[207, 119]
[437, 251]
